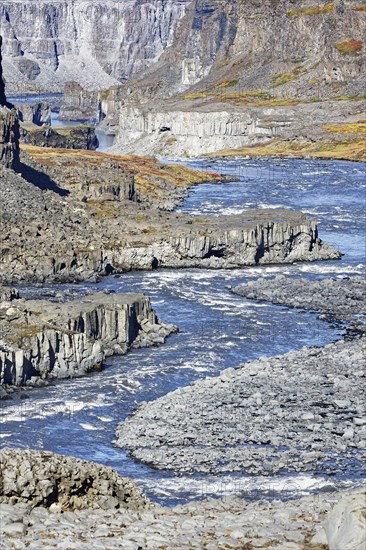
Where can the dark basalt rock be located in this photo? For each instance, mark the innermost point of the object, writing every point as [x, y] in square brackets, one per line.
[9, 127]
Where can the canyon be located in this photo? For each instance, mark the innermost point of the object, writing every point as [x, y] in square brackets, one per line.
[98, 44]
[81, 229]
[253, 71]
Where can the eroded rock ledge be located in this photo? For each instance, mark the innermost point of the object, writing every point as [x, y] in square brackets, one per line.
[43, 340]
[110, 232]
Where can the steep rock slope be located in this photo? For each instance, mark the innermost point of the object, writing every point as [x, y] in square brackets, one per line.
[241, 72]
[300, 49]
[48, 42]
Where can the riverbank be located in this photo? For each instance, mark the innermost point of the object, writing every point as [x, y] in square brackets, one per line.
[94, 506]
[298, 412]
[342, 300]
[348, 148]
[112, 214]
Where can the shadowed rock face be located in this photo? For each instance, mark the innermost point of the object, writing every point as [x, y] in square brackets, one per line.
[2, 86]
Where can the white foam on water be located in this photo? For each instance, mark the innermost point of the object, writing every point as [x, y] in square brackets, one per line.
[105, 418]
[243, 486]
[230, 211]
[269, 205]
[327, 268]
[87, 426]
[75, 406]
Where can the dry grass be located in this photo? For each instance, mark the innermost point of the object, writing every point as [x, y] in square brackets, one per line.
[284, 78]
[315, 10]
[358, 128]
[151, 176]
[346, 149]
[349, 47]
[228, 83]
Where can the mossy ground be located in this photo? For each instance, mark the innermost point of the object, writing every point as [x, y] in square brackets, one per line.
[344, 149]
[313, 10]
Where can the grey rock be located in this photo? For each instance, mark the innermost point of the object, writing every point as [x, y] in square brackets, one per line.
[345, 526]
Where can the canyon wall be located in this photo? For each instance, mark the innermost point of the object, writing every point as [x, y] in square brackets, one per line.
[49, 42]
[297, 49]
[189, 133]
[9, 126]
[177, 130]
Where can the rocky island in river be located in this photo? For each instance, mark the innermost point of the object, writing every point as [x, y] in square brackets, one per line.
[177, 79]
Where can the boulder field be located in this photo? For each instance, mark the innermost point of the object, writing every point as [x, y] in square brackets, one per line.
[50, 501]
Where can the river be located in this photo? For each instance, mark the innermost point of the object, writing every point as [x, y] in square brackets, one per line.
[218, 330]
[55, 101]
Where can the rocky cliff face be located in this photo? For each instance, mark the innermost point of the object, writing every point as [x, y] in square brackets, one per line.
[71, 339]
[95, 43]
[189, 132]
[65, 137]
[194, 128]
[36, 113]
[297, 49]
[9, 126]
[80, 104]
[243, 72]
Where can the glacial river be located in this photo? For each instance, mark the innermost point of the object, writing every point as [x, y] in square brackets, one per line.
[218, 330]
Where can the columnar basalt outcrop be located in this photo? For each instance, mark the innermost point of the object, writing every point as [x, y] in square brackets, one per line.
[89, 200]
[43, 340]
[194, 128]
[80, 104]
[107, 234]
[9, 127]
[64, 137]
[185, 132]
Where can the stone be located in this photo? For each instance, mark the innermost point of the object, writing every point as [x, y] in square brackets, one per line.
[345, 526]
[14, 529]
[222, 414]
[72, 137]
[73, 484]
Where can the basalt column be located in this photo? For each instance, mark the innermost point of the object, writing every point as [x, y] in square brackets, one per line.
[9, 127]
